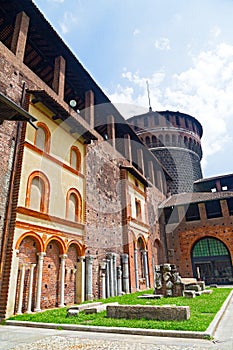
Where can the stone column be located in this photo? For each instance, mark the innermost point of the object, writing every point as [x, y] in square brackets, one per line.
[119, 280]
[80, 280]
[29, 309]
[145, 263]
[21, 288]
[107, 278]
[103, 279]
[111, 276]
[89, 292]
[62, 280]
[125, 272]
[136, 268]
[114, 256]
[39, 279]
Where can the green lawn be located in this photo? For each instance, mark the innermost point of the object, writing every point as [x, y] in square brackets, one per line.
[202, 308]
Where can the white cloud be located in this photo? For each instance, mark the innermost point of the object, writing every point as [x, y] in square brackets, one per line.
[162, 44]
[67, 22]
[136, 32]
[205, 91]
[216, 31]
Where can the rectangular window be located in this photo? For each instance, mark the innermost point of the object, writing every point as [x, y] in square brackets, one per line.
[192, 212]
[171, 215]
[230, 205]
[213, 209]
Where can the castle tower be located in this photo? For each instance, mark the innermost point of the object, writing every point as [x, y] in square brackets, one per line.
[175, 139]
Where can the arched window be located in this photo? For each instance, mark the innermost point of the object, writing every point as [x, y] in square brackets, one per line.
[154, 141]
[42, 137]
[173, 140]
[147, 140]
[37, 195]
[73, 205]
[167, 139]
[138, 209]
[75, 158]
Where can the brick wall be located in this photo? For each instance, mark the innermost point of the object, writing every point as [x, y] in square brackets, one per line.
[103, 206]
[182, 237]
[50, 280]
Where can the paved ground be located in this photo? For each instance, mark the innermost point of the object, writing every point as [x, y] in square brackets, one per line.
[24, 338]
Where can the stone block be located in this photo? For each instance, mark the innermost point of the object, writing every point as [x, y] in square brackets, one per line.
[74, 310]
[207, 291]
[150, 296]
[189, 294]
[98, 308]
[163, 313]
[201, 284]
[194, 287]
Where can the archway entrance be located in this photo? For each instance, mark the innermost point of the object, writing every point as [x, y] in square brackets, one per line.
[211, 258]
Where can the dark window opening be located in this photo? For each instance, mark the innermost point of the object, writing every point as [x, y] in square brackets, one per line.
[230, 205]
[192, 212]
[171, 215]
[213, 209]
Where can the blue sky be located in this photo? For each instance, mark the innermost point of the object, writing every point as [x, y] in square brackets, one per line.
[184, 48]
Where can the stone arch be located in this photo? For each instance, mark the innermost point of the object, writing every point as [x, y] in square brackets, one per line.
[174, 140]
[211, 261]
[167, 139]
[154, 141]
[50, 291]
[71, 270]
[38, 240]
[80, 247]
[61, 243]
[28, 245]
[147, 139]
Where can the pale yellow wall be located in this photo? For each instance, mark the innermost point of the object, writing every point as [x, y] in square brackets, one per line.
[132, 179]
[134, 194]
[60, 179]
[61, 140]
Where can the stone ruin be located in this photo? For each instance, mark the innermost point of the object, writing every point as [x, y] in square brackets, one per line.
[168, 282]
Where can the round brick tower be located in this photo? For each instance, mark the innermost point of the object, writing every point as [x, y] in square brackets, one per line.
[175, 140]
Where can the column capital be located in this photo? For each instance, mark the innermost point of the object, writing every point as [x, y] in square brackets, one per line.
[63, 256]
[103, 265]
[124, 258]
[89, 258]
[41, 255]
[81, 258]
[22, 266]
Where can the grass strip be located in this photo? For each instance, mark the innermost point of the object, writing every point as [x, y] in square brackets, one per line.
[202, 308]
